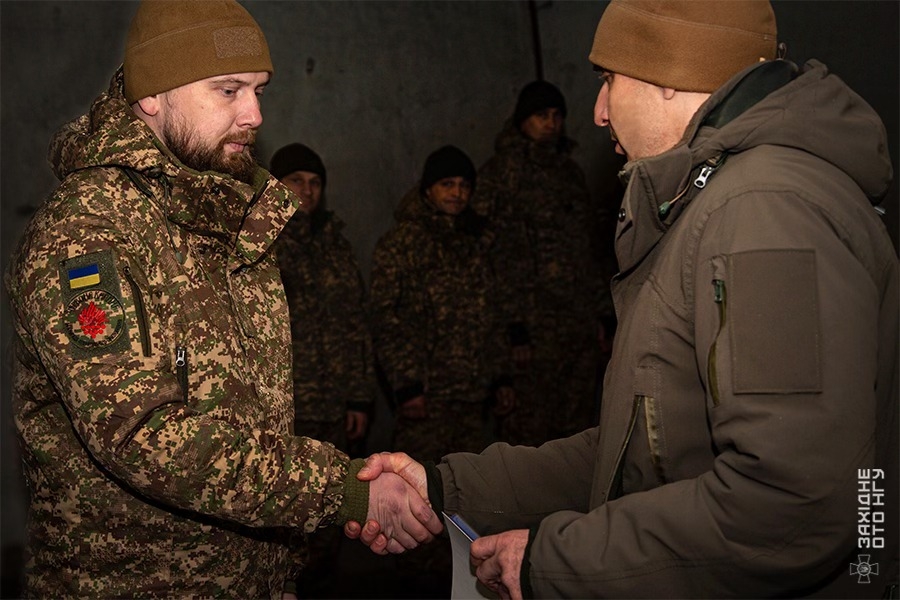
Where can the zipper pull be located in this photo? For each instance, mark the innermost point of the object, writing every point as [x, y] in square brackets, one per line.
[181, 370]
[705, 172]
[719, 291]
[180, 356]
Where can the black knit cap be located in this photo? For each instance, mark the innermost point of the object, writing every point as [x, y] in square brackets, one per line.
[535, 97]
[448, 161]
[297, 157]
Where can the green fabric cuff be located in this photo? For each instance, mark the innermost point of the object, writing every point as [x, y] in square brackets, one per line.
[355, 506]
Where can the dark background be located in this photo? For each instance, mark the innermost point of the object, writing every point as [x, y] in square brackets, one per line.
[373, 86]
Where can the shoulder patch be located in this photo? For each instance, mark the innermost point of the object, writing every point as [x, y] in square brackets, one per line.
[93, 312]
[95, 319]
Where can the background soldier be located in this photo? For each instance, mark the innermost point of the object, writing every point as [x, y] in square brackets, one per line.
[334, 381]
[333, 363]
[437, 336]
[545, 253]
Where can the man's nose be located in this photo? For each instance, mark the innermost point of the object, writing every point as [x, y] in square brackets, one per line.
[601, 107]
[251, 113]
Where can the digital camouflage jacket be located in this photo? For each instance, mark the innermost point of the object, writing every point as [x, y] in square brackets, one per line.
[152, 392]
[547, 231]
[333, 356]
[434, 322]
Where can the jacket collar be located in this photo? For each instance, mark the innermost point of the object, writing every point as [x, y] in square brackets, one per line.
[246, 218]
[658, 188]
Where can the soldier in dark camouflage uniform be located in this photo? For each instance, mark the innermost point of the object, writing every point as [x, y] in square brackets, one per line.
[152, 390]
[536, 197]
[334, 377]
[438, 337]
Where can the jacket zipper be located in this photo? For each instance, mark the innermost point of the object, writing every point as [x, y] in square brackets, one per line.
[181, 369]
[719, 299]
[699, 182]
[616, 481]
[140, 309]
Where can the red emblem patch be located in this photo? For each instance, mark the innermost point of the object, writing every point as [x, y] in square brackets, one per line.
[92, 320]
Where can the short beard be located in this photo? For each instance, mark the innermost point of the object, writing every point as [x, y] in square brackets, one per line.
[194, 155]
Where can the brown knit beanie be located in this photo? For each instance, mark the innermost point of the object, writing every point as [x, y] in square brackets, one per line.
[688, 45]
[175, 42]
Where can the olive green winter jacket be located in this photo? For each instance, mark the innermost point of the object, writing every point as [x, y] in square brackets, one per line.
[749, 415]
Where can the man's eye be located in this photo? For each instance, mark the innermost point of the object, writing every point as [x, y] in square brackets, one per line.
[228, 92]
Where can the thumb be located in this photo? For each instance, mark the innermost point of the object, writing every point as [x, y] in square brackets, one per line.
[352, 529]
[375, 466]
[483, 547]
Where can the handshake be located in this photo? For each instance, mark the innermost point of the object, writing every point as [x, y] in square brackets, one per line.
[400, 516]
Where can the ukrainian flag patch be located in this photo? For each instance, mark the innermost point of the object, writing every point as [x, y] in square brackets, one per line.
[83, 277]
[93, 313]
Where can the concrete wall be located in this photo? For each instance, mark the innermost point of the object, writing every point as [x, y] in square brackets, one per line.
[374, 86]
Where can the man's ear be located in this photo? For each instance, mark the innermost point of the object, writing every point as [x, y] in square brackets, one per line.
[150, 105]
[668, 93]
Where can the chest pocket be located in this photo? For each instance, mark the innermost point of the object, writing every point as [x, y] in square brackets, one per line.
[764, 346]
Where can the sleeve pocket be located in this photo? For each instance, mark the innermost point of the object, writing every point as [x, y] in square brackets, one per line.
[774, 310]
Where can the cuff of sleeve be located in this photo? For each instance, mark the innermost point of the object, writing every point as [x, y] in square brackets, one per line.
[525, 570]
[435, 488]
[290, 587]
[518, 334]
[355, 506]
[408, 392]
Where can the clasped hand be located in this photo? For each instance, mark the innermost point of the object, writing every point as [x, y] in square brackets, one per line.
[399, 510]
[497, 558]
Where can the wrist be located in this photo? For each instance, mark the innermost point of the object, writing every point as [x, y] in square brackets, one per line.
[355, 504]
[525, 569]
[435, 488]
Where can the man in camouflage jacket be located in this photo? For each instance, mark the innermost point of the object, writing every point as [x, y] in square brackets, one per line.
[438, 337]
[333, 360]
[334, 377]
[536, 197]
[152, 373]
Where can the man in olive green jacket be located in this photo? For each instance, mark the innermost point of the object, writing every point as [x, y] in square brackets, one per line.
[748, 440]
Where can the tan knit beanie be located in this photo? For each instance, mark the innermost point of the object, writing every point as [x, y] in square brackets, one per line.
[688, 45]
[175, 42]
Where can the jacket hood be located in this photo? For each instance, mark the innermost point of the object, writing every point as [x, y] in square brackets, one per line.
[772, 103]
[413, 207]
[815, 112]
[246, 217]
[807, 109]
[96, 139]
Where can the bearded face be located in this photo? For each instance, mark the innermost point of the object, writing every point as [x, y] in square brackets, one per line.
[211, 154]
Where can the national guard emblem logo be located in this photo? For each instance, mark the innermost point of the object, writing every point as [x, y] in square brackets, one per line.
[94, 319]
